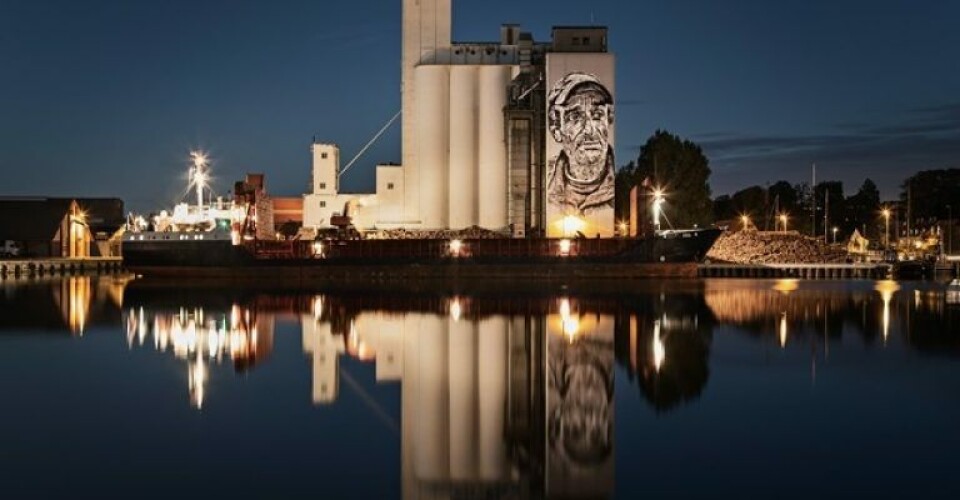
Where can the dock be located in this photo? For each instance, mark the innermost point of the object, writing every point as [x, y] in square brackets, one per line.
[798, 271]
[28, 268]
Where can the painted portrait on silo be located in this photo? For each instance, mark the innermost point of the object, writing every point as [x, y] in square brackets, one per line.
[580, 141]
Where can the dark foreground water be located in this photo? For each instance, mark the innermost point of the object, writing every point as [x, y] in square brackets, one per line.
[712, 389]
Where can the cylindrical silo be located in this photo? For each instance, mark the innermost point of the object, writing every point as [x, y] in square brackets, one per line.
[464, 374]
[429, 396]
[432, 97]
[492, 350]
[492, 152]
[463, 147]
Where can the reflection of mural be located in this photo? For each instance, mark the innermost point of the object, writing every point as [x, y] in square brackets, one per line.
[580, 402]
[580, 117]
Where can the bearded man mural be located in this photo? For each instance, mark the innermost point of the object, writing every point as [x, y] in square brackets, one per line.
[580, 178]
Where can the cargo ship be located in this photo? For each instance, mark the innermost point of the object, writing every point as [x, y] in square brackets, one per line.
[218, 239]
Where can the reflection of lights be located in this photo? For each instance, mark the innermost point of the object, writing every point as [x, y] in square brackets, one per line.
[564, 247]
[785, 286]
[455, 309]
[456, 246]
[569, 323]
[317, 307]
[886, 288]
[659, 350]
[198, 338]
[783, 329]
[197, 375]
[357, 346]
[76, 293]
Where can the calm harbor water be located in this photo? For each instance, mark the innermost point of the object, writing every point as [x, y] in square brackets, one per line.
[716, 388]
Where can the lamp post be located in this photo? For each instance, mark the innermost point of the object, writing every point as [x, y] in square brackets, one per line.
[783, 220]
[835, 229]
[657, 207]
[886, 230]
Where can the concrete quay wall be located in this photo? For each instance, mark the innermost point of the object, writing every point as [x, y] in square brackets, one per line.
[798, 271]
[28, 268]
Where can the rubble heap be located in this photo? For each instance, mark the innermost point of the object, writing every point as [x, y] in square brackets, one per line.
[768, 247]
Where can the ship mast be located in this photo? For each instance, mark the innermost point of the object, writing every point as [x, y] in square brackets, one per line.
[199, 173]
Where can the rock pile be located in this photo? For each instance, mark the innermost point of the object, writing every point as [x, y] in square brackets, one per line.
[766, 247]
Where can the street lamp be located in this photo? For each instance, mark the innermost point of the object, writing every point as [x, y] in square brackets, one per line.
[783, 220]
[886, 230]
[835, 229]
[658, 199]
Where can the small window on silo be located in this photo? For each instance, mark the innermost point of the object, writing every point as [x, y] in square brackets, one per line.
[389, 185]
[323, 185]
[323, 155]
[323, 204]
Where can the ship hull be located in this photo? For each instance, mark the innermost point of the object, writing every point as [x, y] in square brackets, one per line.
[669, 255]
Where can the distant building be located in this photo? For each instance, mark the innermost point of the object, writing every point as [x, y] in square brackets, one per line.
[61, 227]
[508, 135]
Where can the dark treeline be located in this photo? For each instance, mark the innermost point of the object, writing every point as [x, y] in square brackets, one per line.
[928, 199]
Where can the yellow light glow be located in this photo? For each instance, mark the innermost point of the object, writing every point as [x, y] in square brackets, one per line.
[571, 224]
[564, 247]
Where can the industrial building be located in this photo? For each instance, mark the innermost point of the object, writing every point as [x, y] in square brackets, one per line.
[514, 136]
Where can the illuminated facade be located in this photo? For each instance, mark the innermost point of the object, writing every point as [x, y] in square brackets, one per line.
[512, 136]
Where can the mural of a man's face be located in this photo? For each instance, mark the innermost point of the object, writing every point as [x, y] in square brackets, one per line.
[581, 124]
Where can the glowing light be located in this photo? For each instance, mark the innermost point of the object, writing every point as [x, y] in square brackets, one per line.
[456, 246]
[658, 200]
[783, 221]
[745, 221]
[318, 249]
[623, 228]
[659, 350]
[572, 224]
[564, 247]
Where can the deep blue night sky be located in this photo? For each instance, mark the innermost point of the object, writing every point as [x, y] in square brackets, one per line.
[105, 98]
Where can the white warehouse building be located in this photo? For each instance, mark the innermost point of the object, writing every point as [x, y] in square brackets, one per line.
[475, 134]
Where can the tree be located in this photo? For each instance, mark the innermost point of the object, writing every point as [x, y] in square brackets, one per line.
[751, 201]
[862, 210]
[681, 169]
[930, 192]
